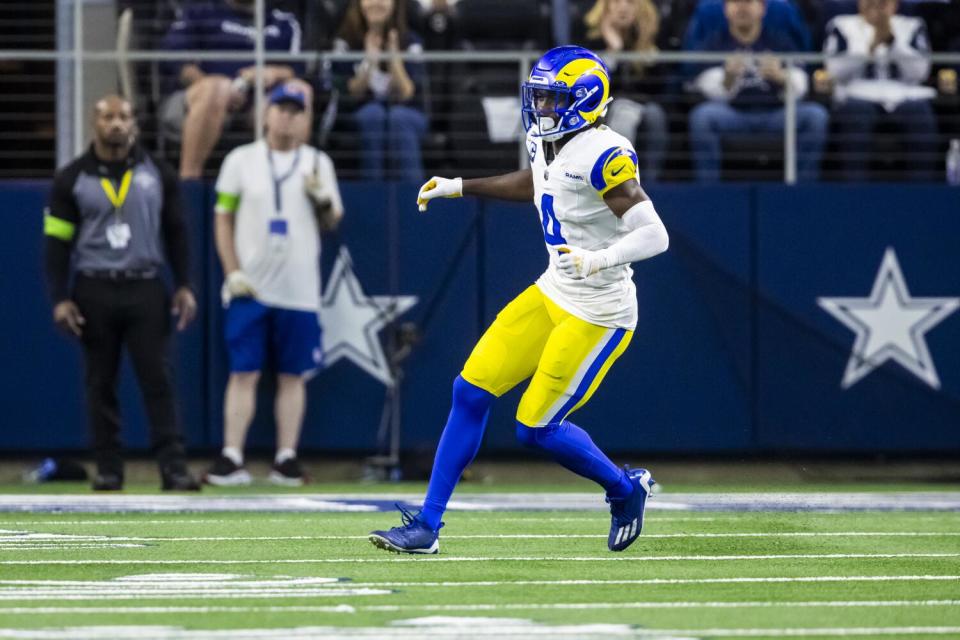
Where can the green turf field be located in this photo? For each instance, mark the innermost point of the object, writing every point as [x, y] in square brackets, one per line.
[692, 574]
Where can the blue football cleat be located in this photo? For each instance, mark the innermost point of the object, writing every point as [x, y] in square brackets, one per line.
[626, 515]
[413, 536]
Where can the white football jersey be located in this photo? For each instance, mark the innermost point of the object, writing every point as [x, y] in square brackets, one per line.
[569, 195]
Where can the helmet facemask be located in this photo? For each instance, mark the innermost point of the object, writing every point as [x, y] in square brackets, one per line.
[545, 109]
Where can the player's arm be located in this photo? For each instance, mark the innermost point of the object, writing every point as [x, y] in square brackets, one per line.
[236, 284]
[615, 178]
[229, 188]
[517, 186]
[60, 223]
[624, 197]
[223, 231]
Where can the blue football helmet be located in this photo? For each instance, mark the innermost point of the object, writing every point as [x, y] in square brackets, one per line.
[567, 90]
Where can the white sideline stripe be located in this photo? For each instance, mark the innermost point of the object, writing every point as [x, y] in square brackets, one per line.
[11, 543]
[661, 581]
[61, 546]
[800, 632]
[147, 594]
[587, 518]
[785, 556]
[483, 607]
[217, 587]
[171, 520]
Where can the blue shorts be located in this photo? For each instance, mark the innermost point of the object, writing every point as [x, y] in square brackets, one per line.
[258, 335]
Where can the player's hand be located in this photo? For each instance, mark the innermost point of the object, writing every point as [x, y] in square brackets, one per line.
[772, 69]
[439, 188]
[733, 70]
[579, 263]
[322, 198]
[184, 306]
[67, 316]
[316, 189]
[236, 285]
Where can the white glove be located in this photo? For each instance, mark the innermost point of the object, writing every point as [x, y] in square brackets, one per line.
[579, 263]
[316, 189]
[236, 285]
[439, 188]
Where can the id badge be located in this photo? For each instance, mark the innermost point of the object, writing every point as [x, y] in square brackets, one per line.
[118, 235]
[278, 236]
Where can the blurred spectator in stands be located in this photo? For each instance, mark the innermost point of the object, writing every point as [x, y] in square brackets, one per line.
[674, 18]
[208, 92]
[947, 77]
[878, 63]
[781, 17]
[745, 94]
[388, 90]
[615, 26]
[438, 21]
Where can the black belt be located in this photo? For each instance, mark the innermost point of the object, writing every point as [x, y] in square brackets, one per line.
[120, 274]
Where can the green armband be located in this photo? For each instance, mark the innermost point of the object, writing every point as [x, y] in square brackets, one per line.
[227, 202]
[58, 228]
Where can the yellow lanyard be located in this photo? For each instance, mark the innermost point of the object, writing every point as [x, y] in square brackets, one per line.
[117, 199]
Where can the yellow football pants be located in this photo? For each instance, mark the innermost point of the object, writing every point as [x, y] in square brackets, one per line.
[567, 357]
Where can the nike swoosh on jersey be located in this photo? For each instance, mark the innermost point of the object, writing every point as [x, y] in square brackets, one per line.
[614, 173]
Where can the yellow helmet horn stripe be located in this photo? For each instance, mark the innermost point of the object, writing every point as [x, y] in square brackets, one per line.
[572, 71]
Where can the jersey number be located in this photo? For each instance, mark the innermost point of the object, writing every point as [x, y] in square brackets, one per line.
[551, 226]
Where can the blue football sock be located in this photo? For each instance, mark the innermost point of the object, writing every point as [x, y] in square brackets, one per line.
[572, 447]
[458, 446]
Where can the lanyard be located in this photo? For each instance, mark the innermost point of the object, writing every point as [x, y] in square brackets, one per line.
[115, 198]
[279, 180]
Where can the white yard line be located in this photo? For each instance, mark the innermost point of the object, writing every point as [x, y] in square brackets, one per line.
[184, 594]
[384, 558]
[62, 546]
[425, 627]
[299, 518]
[802, 632]
[487, 607]
[203, 580]
[663, 581]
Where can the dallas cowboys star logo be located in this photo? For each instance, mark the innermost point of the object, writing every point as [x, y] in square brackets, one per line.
[890, 325]
[352, 320]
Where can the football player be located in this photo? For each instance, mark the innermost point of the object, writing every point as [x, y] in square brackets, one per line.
[565, 331]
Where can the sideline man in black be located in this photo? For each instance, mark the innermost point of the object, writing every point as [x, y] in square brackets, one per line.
[112, 213]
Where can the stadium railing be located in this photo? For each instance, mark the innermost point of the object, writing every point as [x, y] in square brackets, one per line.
[470, 97]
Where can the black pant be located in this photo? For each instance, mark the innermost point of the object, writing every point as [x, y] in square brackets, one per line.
[135, 313]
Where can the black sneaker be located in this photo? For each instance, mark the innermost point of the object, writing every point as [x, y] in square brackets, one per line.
[288, 473]
[224, 472]
[107, 482]
[178, 478]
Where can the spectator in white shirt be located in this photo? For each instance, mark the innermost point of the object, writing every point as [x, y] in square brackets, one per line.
[273, 198]
[878, 63]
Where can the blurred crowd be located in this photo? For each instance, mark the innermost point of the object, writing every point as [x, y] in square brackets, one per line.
[877, 109]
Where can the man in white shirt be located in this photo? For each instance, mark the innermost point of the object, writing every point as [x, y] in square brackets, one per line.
[273, 198]
[878, 62]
